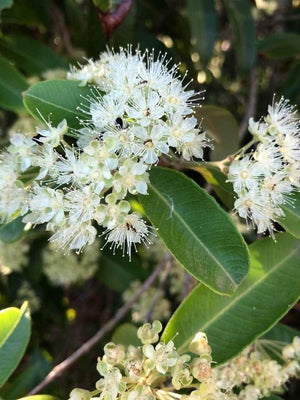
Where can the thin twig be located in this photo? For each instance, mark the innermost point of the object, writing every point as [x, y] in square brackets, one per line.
[251, 104]
[64, 365]
[161, 285]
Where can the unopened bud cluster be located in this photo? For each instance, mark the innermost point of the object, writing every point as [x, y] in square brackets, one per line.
[138, 109]
[254, 375]
[264, 179]
[156, 370]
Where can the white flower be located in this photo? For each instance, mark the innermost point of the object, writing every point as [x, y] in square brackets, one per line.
[46, 205]
[145, 108]
[245, 173]
[130, 232]
[23, 147]
[13, 201]
[106, 109]
[163, 356]
[74, 237]
[52, 135]
[81, 204]
[153, 143]
[131, 177]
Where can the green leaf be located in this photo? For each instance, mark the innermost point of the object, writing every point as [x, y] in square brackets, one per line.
[30, 55]
[107, 5]
[12, 231]
[280, 45]
[243, 26]
[31, 13]
[196, 230]
[113, 266]
[203, 22]
[5, 4]
[57, 99]
[217, 180]
[126, 334]
[12, 83]
[14, 337]
[39, 397]
[37, 367]
[222, 127]
[291, 221]
[281, 333]
[232, 323]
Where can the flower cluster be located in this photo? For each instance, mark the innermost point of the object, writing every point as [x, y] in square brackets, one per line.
[264, 179]
[153, 371]
[254, 375]
[138, 110]
[13, 257]
[158, 371]
[67, 269]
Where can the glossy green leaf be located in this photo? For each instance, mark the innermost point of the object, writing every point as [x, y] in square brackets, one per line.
[37, 367]
[215, 177]
[126, 334]
[222, 128]
[30, 55]
[203, 23]
[39, 397]
[291, 221]
[12, 84]
[12, 231]
[14, 337]
[57, 99]
[232, 323]
[280, 45]
[196, 230]
[243, 26]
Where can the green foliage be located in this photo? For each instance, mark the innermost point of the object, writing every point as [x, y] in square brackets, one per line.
[203, 22]
[107, 5]
[281, 333]
[232, 323]
[291, 221]
[280, 45]
[12, 83]
[30, 55]
[222, 128]
[39, 397]
[12, 231]
[37, 369]
[243, 26]
[218, 181]
[5, 4]
[196, 230]
[126, 334]
[14, 337]
[57, 99]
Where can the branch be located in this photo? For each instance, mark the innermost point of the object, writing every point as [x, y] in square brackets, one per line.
[250, 106]
[112, 19]
[60, 368]
[168, 259]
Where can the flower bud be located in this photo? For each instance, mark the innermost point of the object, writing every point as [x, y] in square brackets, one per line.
[199, 344]
[80, 394]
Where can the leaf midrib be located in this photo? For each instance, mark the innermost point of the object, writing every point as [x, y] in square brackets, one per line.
[30, 95]
[193, 234]
[244, 293]
[11, 330]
